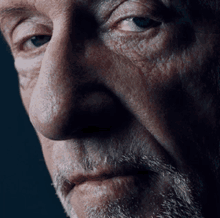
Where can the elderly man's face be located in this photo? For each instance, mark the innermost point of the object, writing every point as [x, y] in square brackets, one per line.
[123, 96]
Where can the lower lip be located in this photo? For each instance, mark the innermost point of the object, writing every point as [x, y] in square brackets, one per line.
[93, 193]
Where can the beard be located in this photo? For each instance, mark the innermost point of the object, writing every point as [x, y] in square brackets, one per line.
[178, 200]
[184, 193]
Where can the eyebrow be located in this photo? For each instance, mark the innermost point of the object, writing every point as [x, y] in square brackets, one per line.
[13, 11]
[22, 9]
[10, 11]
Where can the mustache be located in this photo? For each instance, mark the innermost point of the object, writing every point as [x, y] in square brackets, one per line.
[181, 187]
[145, 165]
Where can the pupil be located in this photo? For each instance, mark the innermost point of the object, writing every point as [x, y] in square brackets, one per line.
[40, 40]
[142, 22]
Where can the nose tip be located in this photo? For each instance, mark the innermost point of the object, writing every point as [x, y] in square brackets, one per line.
[60, 119]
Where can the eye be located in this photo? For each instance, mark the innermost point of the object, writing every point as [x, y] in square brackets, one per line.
[137, 24]
[37, 41]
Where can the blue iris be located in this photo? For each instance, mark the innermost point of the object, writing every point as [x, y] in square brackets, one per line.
[40, 40]
[143, 22]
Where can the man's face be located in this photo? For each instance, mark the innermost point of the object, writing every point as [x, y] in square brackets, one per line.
[123, 96]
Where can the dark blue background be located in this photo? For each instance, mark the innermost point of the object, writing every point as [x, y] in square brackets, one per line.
[25, 184]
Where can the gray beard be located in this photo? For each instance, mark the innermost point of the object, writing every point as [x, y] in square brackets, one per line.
[178, 201]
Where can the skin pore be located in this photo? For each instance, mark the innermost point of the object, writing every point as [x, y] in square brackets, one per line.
[122, 88]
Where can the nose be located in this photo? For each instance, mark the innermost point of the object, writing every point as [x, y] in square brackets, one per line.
[67, 96]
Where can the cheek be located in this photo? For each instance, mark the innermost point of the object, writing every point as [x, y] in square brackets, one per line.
[26, 94]
[149, 46]
[47, 149]
[28, 72]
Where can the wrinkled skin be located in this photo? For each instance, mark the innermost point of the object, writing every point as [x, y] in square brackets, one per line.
[105, 93]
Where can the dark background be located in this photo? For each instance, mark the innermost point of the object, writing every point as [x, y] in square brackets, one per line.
[25, 184]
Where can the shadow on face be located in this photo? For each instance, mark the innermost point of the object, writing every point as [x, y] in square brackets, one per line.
[114, 88]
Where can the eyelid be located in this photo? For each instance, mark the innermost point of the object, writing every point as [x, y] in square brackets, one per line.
[103, 12]
[28, 30]
[132, 9]
[20, 45]
[128, 25]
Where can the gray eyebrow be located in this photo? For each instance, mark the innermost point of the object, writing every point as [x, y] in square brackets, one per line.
[20, 9]
[10, 11]
[13, 11]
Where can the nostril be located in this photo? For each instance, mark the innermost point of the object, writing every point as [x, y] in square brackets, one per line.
[99, 113]
[92, 129]
[92, 110]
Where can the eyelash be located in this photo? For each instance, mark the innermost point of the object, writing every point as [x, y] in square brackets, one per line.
[150, 23]
[35, 36]
[20, 45]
